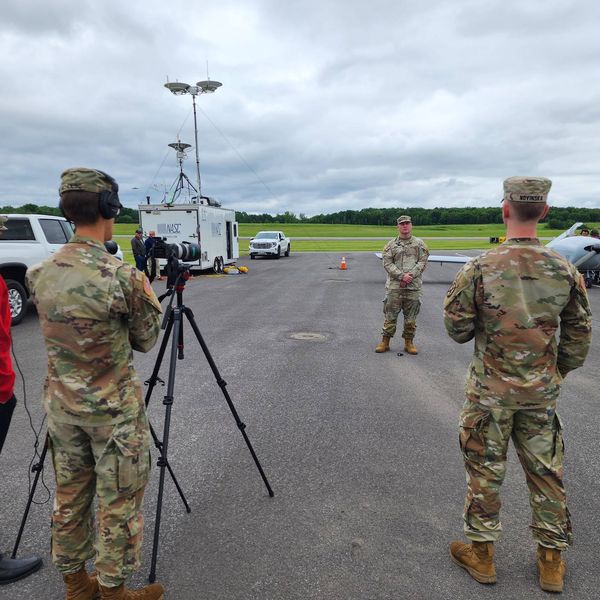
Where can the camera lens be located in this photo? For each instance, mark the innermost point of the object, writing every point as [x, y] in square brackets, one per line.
[188, 251]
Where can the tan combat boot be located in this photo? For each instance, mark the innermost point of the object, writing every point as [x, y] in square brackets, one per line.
[81, 586]
[551, 568]
[154, 591]
[409, 347]
[384, 344]
[477, 558]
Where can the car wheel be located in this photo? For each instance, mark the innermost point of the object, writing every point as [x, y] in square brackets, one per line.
[252, 256]
[278, 255]
[17, 301]
[287, 252]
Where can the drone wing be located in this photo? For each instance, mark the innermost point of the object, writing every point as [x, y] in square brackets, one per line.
[457, 259]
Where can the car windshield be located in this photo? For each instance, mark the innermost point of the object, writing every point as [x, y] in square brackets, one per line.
[267, 235]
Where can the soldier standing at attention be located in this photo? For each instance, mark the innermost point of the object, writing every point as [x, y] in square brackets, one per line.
[94, 310]
[404, 259]
[513, 300]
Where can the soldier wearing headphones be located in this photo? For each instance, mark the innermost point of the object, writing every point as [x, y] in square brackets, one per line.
[94, 310]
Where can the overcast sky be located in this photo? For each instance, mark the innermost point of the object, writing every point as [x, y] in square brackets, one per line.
[325, 105]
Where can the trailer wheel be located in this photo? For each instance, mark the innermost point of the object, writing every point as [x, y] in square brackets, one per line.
[17, 301]
[216, 265]
[287, 252]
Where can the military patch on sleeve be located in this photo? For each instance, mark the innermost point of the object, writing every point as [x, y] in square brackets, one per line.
[147, 287]
[462, 281]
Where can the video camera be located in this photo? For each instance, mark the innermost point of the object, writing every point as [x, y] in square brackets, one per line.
[184, 251]
[173, 253]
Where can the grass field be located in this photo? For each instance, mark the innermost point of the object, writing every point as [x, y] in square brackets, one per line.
[311, 230]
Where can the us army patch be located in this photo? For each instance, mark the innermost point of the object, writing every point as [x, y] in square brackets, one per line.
[147, 286]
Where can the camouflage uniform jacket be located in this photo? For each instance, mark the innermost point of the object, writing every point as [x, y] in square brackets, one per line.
[401, 256]
[512, 300]
[93, 310]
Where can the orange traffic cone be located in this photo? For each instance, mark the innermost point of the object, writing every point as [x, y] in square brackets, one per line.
[343, 265]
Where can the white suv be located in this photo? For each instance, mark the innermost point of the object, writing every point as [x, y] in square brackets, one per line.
[269, 243]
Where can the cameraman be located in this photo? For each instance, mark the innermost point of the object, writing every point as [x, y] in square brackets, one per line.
[10, 569]
[93, 310]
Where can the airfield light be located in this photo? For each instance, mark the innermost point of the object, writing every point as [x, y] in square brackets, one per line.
[178, 88]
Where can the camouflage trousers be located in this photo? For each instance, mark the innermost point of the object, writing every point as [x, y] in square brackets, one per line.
[537, 437]
[111, 463]
[406, 301]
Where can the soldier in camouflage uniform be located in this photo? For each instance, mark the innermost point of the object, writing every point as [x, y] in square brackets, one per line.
[513, 300]
[94, 310]
[404, 259]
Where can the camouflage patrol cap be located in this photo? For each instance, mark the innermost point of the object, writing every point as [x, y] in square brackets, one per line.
[3, 220]
[526, 189]
[81, 179]
[403, 219]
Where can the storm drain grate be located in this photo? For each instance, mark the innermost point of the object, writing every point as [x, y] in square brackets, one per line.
[309, 336]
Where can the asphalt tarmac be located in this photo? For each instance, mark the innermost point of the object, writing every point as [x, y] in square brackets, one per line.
[361, 450]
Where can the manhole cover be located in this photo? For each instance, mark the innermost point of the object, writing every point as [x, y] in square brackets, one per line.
[309, 336]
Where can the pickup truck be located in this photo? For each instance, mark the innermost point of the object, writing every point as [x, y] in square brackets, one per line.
[269, 243]
[29, 239]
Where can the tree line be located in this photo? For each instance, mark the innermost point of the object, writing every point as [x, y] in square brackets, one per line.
[558, 218]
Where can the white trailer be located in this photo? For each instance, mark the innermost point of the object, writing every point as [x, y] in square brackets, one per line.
[213, 228]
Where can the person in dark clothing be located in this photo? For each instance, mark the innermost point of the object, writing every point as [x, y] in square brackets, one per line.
[139, 250]
[152, 265]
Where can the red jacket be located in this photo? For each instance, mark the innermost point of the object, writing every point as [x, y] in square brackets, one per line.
[7, 375]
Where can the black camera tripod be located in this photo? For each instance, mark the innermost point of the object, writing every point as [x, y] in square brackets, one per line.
[173, 325]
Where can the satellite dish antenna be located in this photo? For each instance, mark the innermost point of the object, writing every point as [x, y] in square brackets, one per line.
[177, 88]
[182, 180]
[209, 86]
[181, 149]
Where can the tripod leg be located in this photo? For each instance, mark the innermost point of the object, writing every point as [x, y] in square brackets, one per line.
[222, 384]
[180, 346]
[158, 445]
[162, 461]
[151, 381]
[37, 468]
[151, 384]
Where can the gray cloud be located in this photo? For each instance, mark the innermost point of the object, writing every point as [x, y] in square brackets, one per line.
[331, 105]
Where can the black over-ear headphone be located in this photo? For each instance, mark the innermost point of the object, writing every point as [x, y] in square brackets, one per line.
[109, 205]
